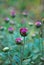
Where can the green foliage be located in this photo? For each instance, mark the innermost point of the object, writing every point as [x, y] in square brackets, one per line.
[33, 47]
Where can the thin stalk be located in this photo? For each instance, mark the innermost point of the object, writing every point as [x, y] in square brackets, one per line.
[42, 28]
[39, 43]
[21, 58]
[23, 46]
[23, 50]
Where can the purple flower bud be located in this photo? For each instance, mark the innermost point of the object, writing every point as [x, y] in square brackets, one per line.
[13, 13]
[1, 28]
[10, 29]
[38, 24]
[25, 13]
[23, 31]
[18, 41]
[6, 19]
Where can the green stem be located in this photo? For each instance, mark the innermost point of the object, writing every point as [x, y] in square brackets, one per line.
[21, 59]
[23, 46]
[42, 30]
[42, 49]
[9, 58]
[39, 40]
[22, 52]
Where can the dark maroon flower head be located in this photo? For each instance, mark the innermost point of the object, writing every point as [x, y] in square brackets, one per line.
[13, 13]
[1, 28]
[23, 32]
[10, 29]
[6, 19]
[38, 24]
[18, 41]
